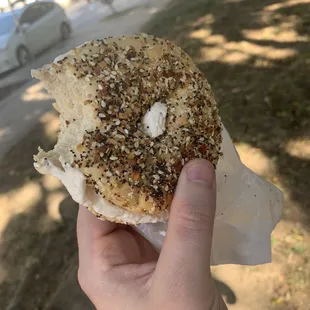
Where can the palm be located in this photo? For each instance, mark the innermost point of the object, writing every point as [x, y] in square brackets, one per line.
[114, 252]
[126, 246]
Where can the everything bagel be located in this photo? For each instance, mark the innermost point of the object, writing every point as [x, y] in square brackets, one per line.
[133, 110]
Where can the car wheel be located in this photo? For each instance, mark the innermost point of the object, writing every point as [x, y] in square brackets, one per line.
[65, 31]
[23, 56]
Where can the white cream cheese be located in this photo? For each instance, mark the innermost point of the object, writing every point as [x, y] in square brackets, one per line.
[61, 57]
[71, 178]
[154, 120]
[75, 182]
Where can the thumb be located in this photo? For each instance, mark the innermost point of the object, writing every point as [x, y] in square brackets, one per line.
[187, 246]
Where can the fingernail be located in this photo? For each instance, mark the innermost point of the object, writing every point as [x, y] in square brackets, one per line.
[201, 171]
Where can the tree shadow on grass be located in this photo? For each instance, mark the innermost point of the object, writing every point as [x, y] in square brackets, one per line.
[255, 54]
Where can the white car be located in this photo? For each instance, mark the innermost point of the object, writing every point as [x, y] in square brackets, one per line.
[28, 31]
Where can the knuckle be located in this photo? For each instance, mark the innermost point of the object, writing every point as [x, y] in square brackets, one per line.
[103, 255]
[191, 218]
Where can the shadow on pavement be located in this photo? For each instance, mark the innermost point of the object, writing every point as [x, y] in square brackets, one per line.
[8, 89]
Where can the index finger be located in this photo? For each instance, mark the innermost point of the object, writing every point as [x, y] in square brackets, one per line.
[89, 229]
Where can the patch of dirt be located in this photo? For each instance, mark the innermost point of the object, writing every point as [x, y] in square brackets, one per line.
[255, 54]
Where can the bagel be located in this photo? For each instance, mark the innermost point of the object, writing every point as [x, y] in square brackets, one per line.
[133, 110]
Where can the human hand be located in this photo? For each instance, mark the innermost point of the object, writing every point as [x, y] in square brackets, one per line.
[119, 269]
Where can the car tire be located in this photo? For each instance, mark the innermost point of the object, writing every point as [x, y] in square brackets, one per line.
[23, 56]
[65, 31]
